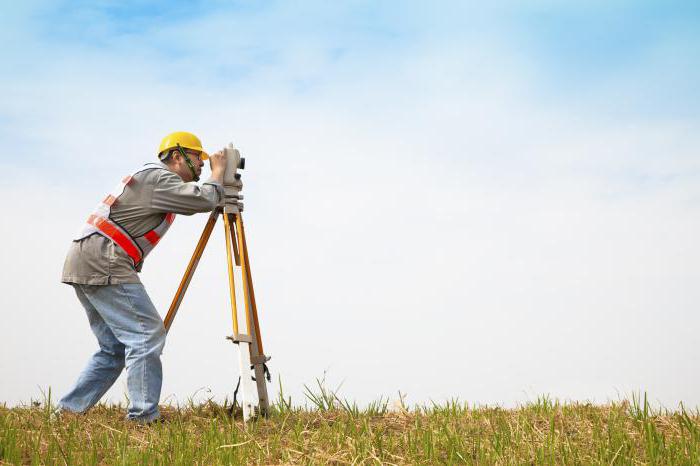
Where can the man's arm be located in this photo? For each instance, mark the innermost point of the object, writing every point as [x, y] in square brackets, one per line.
[171, 194]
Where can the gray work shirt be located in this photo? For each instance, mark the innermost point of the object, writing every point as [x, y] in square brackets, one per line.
[96, 260]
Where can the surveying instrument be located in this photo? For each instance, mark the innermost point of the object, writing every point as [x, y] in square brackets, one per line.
[253, 369]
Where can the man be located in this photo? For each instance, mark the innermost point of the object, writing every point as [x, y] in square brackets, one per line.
[103, 262]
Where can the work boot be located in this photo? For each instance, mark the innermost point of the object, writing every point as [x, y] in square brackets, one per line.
[141, 423]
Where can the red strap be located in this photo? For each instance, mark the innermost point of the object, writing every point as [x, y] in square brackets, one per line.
[152, 237]
[116, 235]
[170, 218]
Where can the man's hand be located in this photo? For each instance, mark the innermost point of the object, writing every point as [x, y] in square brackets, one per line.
[217, 162]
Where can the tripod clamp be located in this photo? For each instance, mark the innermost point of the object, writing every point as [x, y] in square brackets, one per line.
[261, 359]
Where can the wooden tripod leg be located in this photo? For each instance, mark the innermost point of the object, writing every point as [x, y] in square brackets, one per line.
[243, 341]
[257, 357]
[231, 284]
[234, 244]
[251, 307]
[189, 272]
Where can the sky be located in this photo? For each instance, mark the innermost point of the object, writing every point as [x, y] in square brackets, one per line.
[445, 200]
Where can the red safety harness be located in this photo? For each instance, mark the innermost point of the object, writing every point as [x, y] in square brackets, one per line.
[100, 222]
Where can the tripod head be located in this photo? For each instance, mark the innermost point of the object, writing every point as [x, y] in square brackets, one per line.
[232, 180]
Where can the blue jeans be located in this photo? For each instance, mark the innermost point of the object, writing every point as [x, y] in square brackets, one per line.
[130, 332]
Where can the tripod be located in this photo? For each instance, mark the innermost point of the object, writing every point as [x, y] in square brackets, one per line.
[251, 355]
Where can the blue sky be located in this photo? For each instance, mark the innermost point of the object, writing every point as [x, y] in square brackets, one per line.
[524, 178]
[616, 60]
[572, 45]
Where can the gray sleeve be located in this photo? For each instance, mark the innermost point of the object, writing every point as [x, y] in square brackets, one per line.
[171, 194]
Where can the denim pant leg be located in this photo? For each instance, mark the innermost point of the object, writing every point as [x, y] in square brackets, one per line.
[133, 319]
[102, 370]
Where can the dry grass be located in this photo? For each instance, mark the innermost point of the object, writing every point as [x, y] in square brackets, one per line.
[543, 432]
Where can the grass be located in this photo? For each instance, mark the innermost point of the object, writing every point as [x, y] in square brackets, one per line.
[336, 431]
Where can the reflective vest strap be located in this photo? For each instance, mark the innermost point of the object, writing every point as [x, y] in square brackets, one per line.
[116, 235]
[152, 237]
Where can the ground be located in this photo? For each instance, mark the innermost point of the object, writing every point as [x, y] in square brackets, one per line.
[334, 431]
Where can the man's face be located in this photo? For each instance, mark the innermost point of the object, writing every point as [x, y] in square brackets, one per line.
[181, 165]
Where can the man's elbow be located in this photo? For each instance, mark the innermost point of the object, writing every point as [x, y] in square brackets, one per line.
[208, 204]
[213, 198]
[202, 206]
[212, 204]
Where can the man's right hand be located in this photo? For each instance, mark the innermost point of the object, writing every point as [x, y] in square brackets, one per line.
[217, 162]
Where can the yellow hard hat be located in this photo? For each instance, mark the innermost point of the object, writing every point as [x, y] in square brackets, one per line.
[183, 139]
